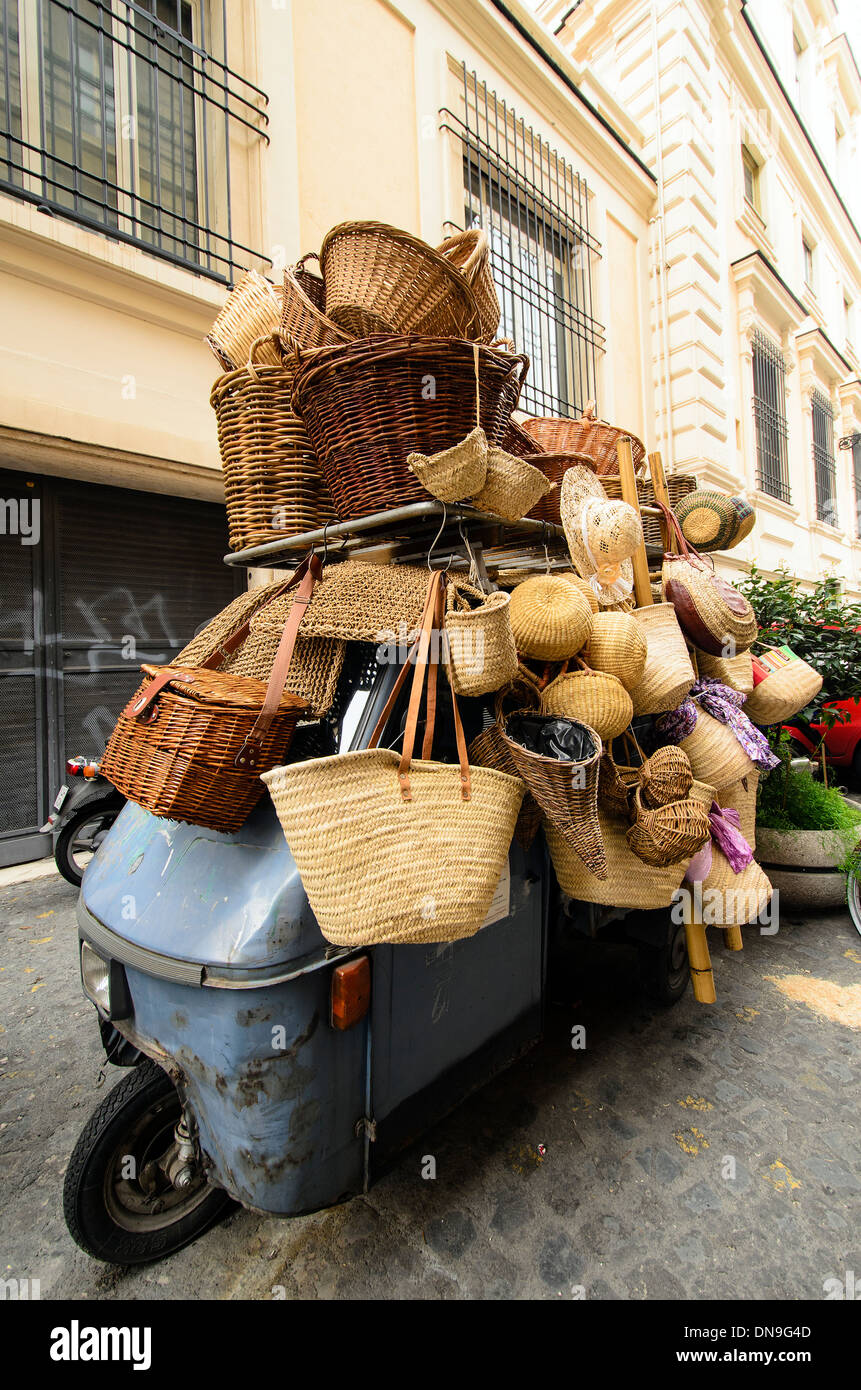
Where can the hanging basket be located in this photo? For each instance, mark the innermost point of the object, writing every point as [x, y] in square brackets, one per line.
[734, 671]
[251, 311]
[666, 776]
[272, 483]
[668, 675]
[783, 684]
[482, 657]
[617, 646]
[593, 698]
[715, 754]
[488, 750]
[366, 408]
[469, 252]
[626, 884]
[550, 618]
[512, 486]
[380, 279]
[665, 835]
[585, 435]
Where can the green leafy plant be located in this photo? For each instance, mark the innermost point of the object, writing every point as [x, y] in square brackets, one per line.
[790, 798]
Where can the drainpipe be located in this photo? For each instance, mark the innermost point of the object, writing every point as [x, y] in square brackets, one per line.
[663, 292]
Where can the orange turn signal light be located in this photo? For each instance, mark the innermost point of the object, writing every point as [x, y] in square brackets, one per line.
[351, 992]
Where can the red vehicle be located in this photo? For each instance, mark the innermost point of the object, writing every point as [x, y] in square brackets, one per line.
[842, 742]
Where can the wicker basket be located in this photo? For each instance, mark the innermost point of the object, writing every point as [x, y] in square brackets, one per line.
[380, 279]
[678, 486]
[489, 750]
[593, 698]
[512, 486]
[482, 654]
[787, 686]
[617, 645]
[585, 435]
[567, 791]
[616, 783]
[302, 315]
[516, 441]
[666, 776]
[715, 754]
[625, 884]
[668, 834]
[469, 252]
[741, 797]
[551, 620]
[272, 484]
[252, 310]
[366, 409]
[669, 674]
[554, 467]
[734, 671]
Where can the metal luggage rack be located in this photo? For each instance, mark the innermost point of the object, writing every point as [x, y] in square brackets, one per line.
[413, 533]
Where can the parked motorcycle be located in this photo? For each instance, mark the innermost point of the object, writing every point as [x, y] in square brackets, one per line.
[82, 815]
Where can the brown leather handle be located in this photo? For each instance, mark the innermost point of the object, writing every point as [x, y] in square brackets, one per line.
[229, 645]
[310, 570]
[139, 704]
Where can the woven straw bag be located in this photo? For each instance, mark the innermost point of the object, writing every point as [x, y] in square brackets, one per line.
[365, 408]
[470, 253]
[713, 614]
[593, 698]
[741, 797]
[550, 618]
[666, 776]
[715, 754]
[392, 849]
[668, 675]
[252, 310]
[734, 671]
[783, 685]
[730, 899]
[511, 487]
[380, 279]
[461, 470]
[625, 884]
[272, 483]
[190, 743]
[358, 601]
[565, 789]
[488, 750]
[482, 656]
[664, 835]
[708, 519]
[617, 646]
[585, 435]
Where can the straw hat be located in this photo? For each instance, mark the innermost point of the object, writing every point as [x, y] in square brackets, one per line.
[601, 533]
[550, 619]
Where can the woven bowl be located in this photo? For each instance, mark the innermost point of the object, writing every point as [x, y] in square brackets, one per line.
[617, 645]
[550, 618]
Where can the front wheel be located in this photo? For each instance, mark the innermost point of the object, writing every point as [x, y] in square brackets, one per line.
[665, 966]
[79, 839]
[119, 1203]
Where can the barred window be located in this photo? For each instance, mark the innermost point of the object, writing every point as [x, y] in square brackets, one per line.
[824, 463]
[535, 210]
[769, 413]
[856, 474]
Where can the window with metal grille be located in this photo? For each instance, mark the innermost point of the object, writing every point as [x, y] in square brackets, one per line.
[769, 413]
[535, 210]
[824, 463]
[119, 115]
[856, 474]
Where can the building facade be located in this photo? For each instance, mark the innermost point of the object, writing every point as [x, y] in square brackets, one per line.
[750, 116]
[150, 150]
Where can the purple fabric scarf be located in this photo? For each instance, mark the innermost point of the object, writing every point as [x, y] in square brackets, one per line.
[724, 704]
[726, 834]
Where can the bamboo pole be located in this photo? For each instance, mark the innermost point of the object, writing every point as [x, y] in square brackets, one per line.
[628, 485]
[662, 494]
[699, 960]
[732, 938]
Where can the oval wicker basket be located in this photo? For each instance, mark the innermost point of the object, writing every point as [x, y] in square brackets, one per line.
[617, 645]
[668, 674]
[593, 698]
[666, 776]
[380, 279]
[554, 467]
[272, 483]
[550, 618]
[664, 835]
[252, 310]
[302, 316]
[366, 409]
[470, 253]
[585, 435]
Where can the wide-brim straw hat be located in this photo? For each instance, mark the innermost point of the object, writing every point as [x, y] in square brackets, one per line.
[580, 486]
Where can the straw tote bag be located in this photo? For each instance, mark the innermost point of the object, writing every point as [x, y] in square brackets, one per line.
[392, 849]
[482, 656]
[627, 882]
[712, 614]
[190, 743]
[668, 674]
[783, 684]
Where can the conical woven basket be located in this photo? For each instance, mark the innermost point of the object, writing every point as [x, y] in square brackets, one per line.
[617, 645]
[626, 884]
[567, 792]
[715, 754]
[668, 675]
[550, 618]
[734, 671]
[616, 783]
[488, 750]
[593, 698]
[664, 835]
[481, 650]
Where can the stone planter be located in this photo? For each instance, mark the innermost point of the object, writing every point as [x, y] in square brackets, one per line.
[802, 865]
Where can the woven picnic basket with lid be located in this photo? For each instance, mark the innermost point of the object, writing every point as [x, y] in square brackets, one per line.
[366, 408]
[272, 483]
[380, 279]
[392, 848]
[470, 253]
[190, 744]
[252, 310]
[585, 435]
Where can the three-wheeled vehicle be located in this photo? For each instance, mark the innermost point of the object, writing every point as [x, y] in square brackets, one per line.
[266, 1066]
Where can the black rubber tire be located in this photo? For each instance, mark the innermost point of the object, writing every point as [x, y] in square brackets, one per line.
[63, 857]
[89, 1219]
[665, 968]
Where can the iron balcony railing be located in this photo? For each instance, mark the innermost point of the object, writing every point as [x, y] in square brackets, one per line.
[769, 413]
[119, 114]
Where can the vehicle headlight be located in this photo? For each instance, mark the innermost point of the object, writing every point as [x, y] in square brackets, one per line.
[96, 978]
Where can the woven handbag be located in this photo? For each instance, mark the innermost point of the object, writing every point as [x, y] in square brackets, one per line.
[668, 674]
[392, 849]
[714, 753]
[482, 656]
[252, 310]
[566, 789]
[783, 684]
[592, 697]
[731, 899]
[734, 671]
[585, 435]
[380, 279]
[625, 884]
[550, 618]
[191, 742]
[617, 646]
[713, 614]
[470, 253]
[367, 406]
[664, 835]
[272, 482]
[358, 601]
